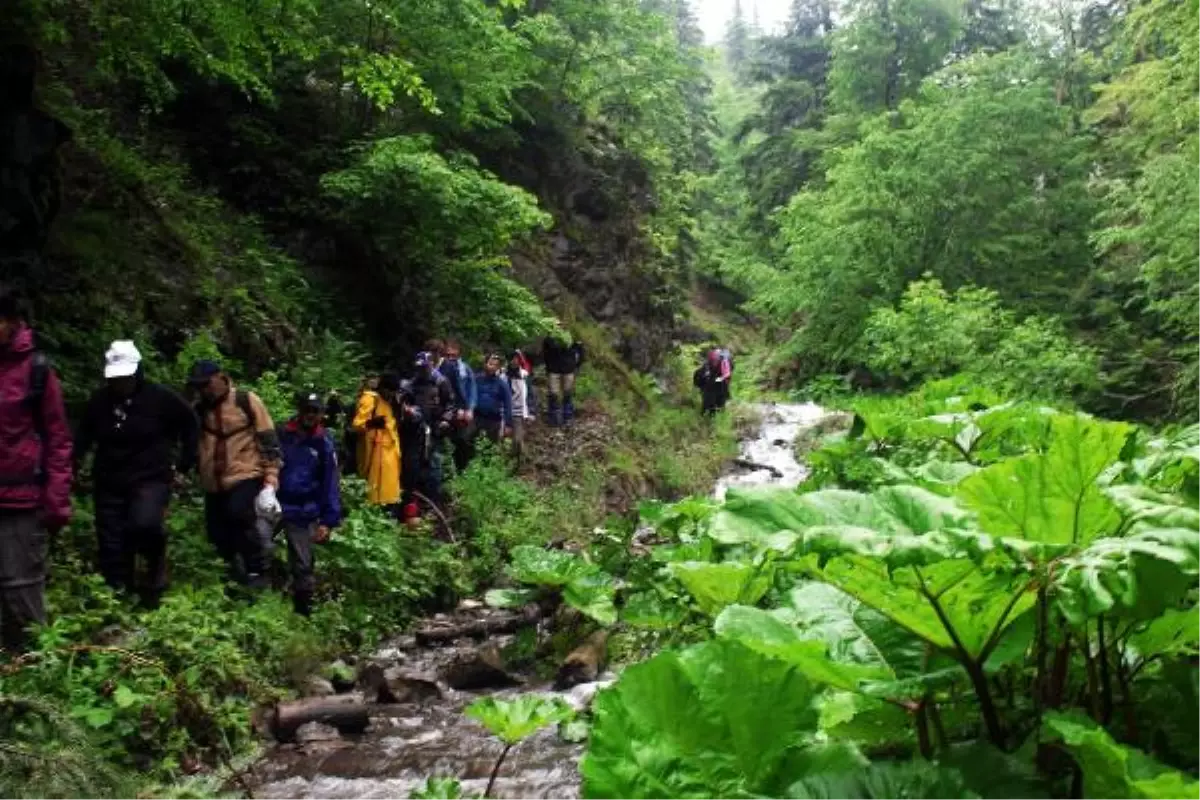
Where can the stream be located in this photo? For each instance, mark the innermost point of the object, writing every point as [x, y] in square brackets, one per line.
[408, 742]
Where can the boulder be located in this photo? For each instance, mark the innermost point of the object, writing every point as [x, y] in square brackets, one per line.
[482, 668]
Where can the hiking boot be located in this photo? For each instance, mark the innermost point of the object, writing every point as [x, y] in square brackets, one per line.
[568, 410]
[553, 412]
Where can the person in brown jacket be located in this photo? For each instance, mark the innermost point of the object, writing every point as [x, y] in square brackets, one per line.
[238, 463]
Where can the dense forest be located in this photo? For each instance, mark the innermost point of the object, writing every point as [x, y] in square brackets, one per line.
[968, 228]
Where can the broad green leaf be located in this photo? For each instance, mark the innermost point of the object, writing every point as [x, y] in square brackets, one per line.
[1111, 770]
[513, 720]
[715, 586]
[1143, 573]
[765, 633]
[649, 610]
[887, 779]
[853, 631]
[1141, 504]
[1053, 497]
[593, 596]
[977, 606]
[98, 717]
[542, 567]
[717, 720]
[124, 697]
[1175, 632]
[509, 598]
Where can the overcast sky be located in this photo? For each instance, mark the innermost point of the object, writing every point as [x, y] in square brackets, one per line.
[713, 14]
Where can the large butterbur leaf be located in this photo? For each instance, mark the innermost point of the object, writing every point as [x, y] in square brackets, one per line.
[542, 567]
[1142, 574]
[1053, 497]
[1111, 770]
[951, 604]
[717, 720]
[715, 586]
[886, 780]
[1174, 633]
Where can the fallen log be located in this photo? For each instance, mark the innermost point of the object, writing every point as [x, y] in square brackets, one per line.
[346, 712]
[480, 628]
[746, 463]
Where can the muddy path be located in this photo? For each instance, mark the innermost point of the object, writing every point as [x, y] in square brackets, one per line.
[427, 735]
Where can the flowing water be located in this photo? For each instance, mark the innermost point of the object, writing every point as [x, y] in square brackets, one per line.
[407, 743]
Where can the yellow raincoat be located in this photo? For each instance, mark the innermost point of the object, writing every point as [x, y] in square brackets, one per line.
[378, 449]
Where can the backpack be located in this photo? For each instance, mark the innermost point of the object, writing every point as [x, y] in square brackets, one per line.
[727, 357]
[242, 401]
[39, 376]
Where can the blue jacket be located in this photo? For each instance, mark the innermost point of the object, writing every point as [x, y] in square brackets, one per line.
[462, 381]
[495, 398]
[308, 481]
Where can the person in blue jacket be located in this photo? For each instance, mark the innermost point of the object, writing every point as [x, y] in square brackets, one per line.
[493, 408]
[308, 493]
[462, 382]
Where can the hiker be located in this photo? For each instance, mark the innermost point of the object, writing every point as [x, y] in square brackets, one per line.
[712, 379]
[308, 493]
[145, 437]
[494, 410]
[433, 402]
[516, 375]
[462, 382]
[379, 442]
[239, 471]
[436, 349]
[356, 451]
[563, 361]
[29, 182]
[35, 472]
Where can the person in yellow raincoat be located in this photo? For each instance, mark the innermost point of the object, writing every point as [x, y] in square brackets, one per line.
[379, 441]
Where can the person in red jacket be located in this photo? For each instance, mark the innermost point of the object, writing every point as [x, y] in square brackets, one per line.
[35, 472]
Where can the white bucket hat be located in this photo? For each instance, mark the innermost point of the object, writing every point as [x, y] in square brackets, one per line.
[122, 359]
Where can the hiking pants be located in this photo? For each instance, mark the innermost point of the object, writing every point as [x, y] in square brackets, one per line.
[463, 440]
[491, 428]
[560, 406]
[518, 437]
[23, 545]
[300, 563]
[129, 523]
[230, 519]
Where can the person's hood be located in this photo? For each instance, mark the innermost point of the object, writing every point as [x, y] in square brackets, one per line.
[21, 341]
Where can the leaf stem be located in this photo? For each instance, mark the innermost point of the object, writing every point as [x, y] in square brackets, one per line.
[1106, 689]
[496, 770]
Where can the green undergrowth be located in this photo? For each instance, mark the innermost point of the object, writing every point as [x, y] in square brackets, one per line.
[969, 597]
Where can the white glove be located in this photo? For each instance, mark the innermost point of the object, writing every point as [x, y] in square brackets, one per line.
[267, 504]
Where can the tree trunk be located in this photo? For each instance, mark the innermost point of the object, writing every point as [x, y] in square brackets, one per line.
[346, 712]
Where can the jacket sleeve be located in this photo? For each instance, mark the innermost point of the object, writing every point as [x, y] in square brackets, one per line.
[725, 370]
[187, 428]
[447, 396]
[268, 441]
[364, 412]
[331, 498]
[506, 401]
[470, 390]
[56, 495]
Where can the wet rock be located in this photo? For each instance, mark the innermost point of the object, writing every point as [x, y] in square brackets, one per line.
[340, 675]
[479, 669]
[346, 712]
[583, 664]
[470, 605]
[316, 732]
[397, 685]
[580, 697]
[316, 686]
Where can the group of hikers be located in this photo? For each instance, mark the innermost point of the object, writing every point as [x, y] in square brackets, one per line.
[258, 479]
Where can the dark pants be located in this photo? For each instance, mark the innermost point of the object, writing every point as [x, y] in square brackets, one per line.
[491, 428]
[23, 544]
[129, 523]
[230, 519]
[300, 563]
[463, 440]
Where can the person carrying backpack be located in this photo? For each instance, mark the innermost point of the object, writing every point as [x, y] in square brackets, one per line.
[308, 493]
[425, 428]
[523, 403]
[35, 472]
[494, 410]
[379, 438]
[462, 381]
[145, 437]
[563, 361]
[712, 379]
[239, 471]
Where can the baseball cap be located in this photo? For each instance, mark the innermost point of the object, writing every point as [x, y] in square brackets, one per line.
[202, 372]
[122, 359]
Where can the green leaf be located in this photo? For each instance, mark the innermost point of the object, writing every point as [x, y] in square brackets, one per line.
[1175, 632]
[542, 567]
[717, 720]
[509, 598]
[98, 717]
[715, 586]
[890, 779]
[592, 595]
[1052, 498]
[1111, 770]
[513, 720]
[124, 697]
[649, 610]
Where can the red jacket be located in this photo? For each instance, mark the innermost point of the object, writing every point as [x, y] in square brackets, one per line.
[34, 474]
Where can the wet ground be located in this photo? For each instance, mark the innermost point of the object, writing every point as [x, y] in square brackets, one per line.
[406, 743]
